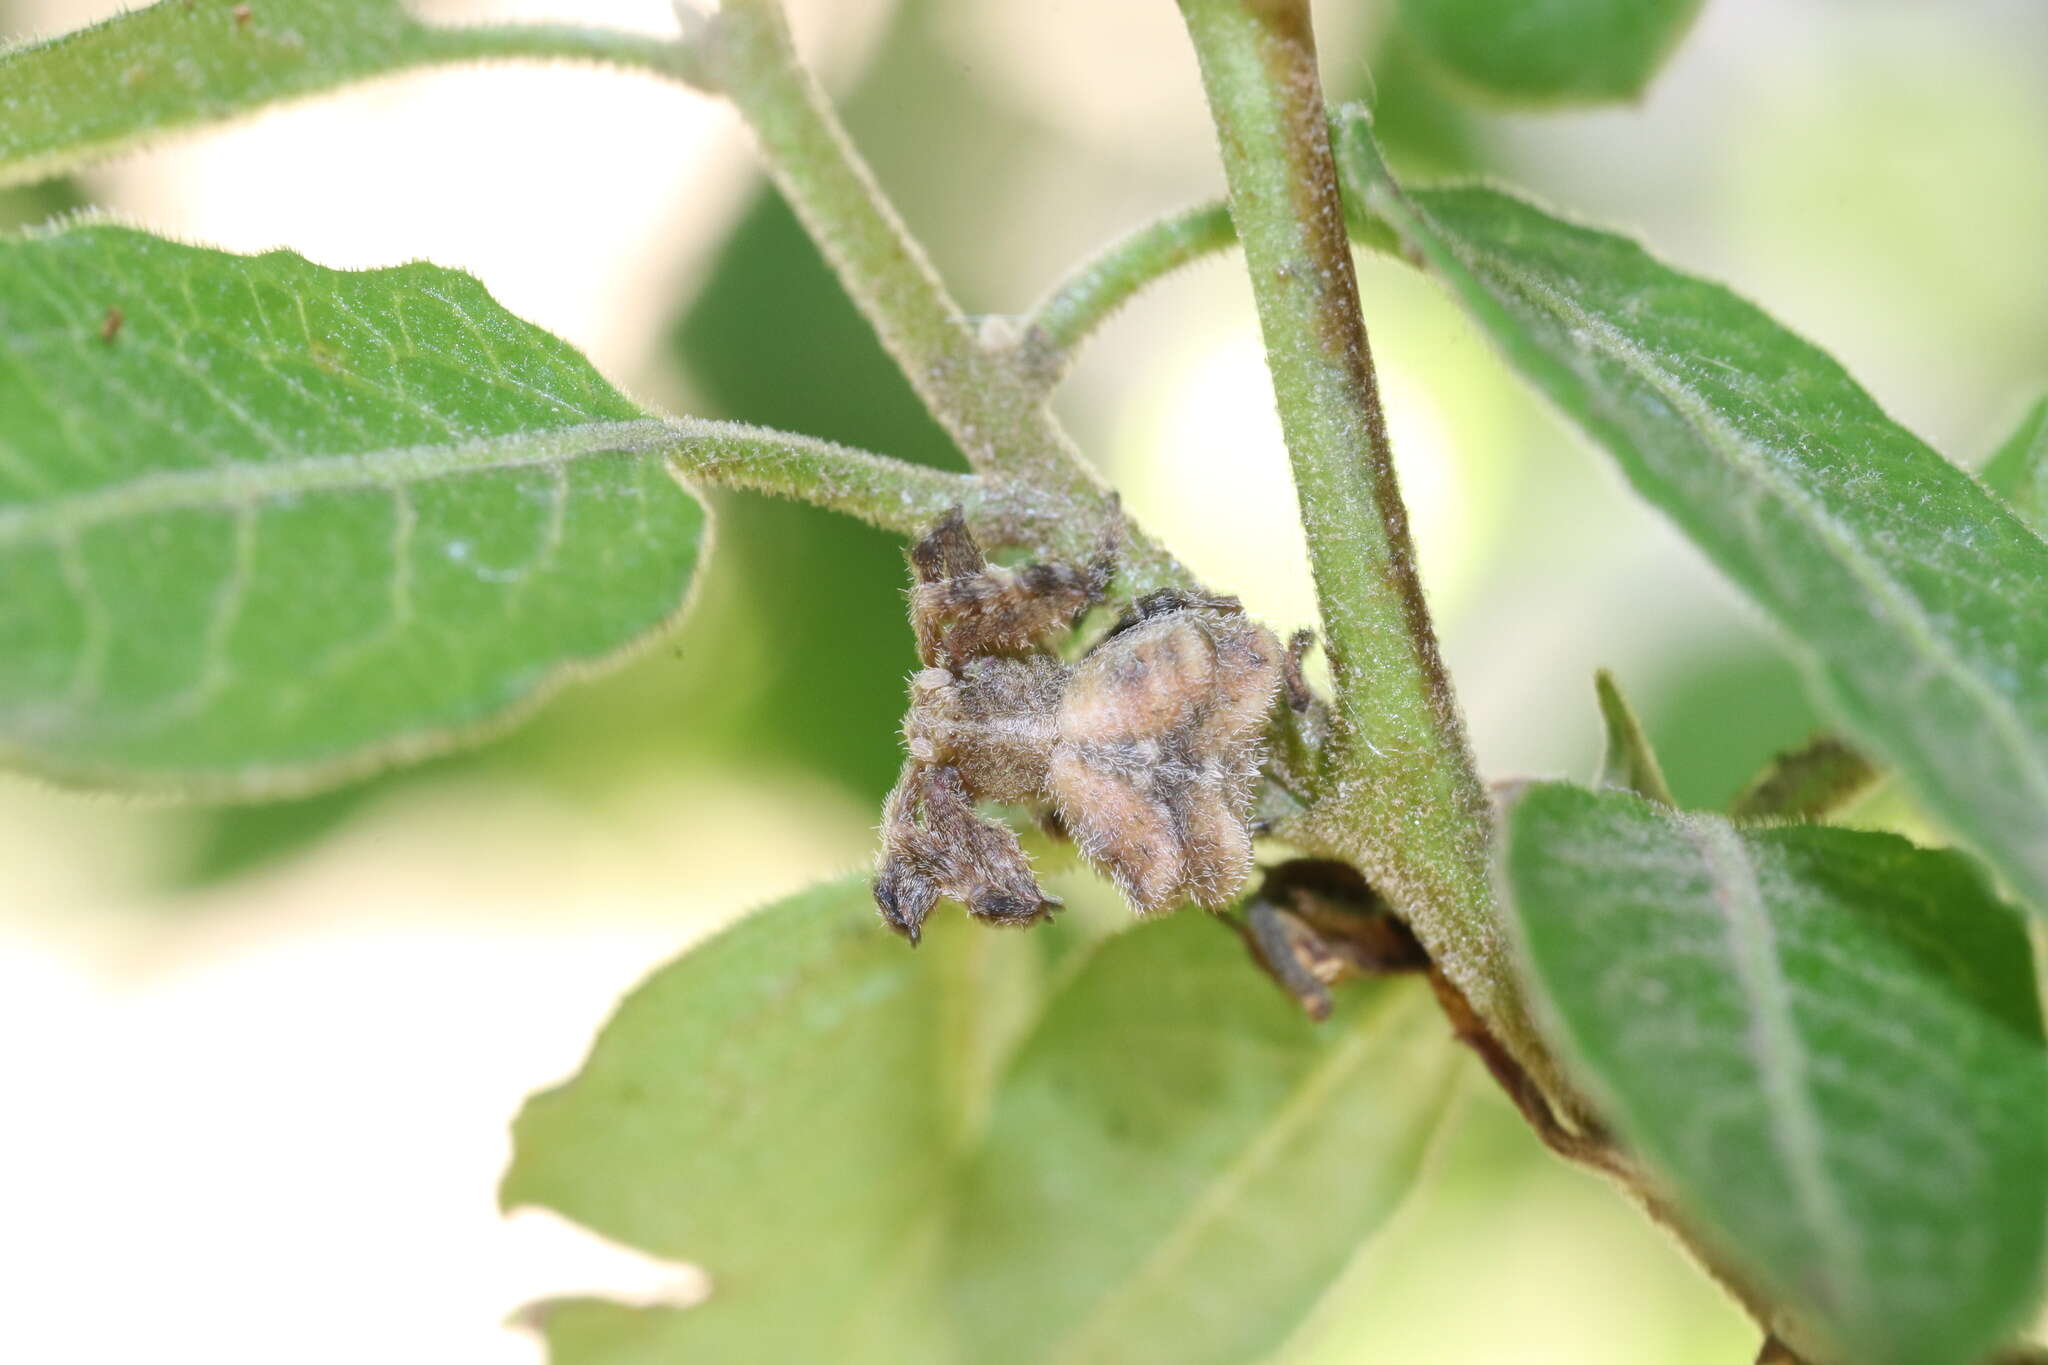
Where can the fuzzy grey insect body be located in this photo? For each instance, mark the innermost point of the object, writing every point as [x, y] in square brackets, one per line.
[1147, 749]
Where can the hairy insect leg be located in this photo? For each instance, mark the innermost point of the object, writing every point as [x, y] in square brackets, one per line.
[946, 554]
[906, 886]
[1165, 602]
[1314, 922]
[1294, 955]
[1293, 683]
[948, 550]
[962, 606]
[935, 844]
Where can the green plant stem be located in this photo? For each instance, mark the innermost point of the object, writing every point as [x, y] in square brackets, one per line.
[894, 495]
[1398, 796]
[1085, 299]
[667, 58]
[997, 418]
[1091, 293]
[835, 195]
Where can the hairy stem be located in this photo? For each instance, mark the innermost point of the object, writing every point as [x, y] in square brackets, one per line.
[677, 61]
[1398, 795]
[1093, 291]
[1080, 303]
[883, 267]
[997, 418]
[894, 495]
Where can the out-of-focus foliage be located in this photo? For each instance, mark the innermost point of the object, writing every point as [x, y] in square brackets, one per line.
[264, 522]
[1826, 1042]
[1550, 51]
[999, 1147]
[2019, 469]
[1726, 707]
[30, 205]
[1424, 127]
[1810, 782]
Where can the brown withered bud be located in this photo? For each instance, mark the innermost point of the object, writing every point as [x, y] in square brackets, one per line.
[1147, 751]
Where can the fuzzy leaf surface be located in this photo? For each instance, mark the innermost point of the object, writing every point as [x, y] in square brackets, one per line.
[1825, 1042]
[284, 523]
[1550, 51]
[93, 93]
[999, 1147]
[1919, 600]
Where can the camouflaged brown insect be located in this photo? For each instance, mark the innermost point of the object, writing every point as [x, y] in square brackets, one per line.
[1146, 750]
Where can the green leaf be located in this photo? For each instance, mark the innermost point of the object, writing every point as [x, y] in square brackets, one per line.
[2019, 471]
[182, 64]
[224, 842]
[1826, 1042]
[1550, 51]
[999, 1147]
[1920, 601]
[1628, 761]
[284, 523]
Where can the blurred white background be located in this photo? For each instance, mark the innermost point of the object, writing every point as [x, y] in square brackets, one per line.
[262, 1120]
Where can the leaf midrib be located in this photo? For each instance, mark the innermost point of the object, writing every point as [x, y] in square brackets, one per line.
[246, 484]
[1778, 1055]
[1311, 1094]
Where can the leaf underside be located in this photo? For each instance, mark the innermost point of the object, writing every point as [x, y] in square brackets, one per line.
[999, 1147]
[1827, 1044]
[264, 524]
[1918, 601]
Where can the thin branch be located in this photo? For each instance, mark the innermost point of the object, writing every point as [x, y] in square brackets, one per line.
[997, 418]
[1588, 1146]
[825, 180]
[1084, 300]
[675, 60]
[892, 494]
[999, 421]
[1078, 305]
